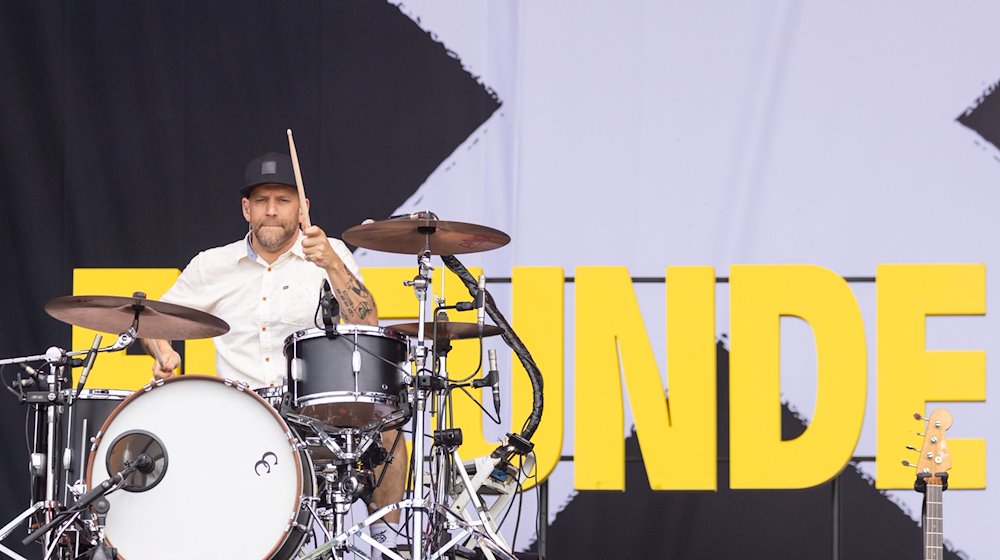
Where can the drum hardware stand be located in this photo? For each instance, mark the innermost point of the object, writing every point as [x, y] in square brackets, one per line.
[96, 494]
[493, 474]
[342, 483]
[51, 397]
[355, 448]
[421, 283]
[342, 490]
[9, 528]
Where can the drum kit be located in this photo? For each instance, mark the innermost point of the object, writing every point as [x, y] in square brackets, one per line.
[203, 467]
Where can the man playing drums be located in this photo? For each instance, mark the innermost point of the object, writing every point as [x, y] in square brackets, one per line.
[266, 286]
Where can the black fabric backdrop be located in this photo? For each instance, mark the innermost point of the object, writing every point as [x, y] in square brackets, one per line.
[124, 129]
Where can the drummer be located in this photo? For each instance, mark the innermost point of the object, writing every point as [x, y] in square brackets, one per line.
[266, 286]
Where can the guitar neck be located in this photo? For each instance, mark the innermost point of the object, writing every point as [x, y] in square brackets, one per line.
[933, 523]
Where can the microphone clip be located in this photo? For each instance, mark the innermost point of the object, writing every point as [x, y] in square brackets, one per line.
[330, 308]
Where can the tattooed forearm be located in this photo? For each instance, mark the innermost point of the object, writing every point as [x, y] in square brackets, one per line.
[357, 287]
[364, 310]
[356, 302]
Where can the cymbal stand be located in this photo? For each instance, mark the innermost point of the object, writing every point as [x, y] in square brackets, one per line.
[421, 284]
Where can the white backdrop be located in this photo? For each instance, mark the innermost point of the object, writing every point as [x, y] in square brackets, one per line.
[648, 134]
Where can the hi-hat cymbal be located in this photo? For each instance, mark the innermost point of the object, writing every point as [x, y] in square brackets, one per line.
[412, 235]
[157, 319]
[446, 330]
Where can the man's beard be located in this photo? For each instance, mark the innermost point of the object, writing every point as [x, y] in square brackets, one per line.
[271, 238]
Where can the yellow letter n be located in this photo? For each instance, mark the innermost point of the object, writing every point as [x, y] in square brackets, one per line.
[611, 344]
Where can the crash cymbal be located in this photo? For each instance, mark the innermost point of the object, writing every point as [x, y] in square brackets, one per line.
[157, 319]
[412, 235]
[447, 330]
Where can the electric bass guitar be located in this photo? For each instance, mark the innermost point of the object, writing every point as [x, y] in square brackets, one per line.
[932, 481]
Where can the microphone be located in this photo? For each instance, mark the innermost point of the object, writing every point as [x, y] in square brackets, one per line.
[33, 376]
[116, 479]
[481, 303]
[88, 363]
[331, 308]
[144, 463]
[495, 389]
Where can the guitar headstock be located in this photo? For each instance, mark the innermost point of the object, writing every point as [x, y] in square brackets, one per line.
[934, 457]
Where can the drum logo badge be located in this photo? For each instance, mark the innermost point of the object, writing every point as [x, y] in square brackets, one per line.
[267, 460]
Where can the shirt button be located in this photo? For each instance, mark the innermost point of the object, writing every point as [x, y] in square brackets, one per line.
[264, 298]
[263, 328]
[267, 358]
[269, 269]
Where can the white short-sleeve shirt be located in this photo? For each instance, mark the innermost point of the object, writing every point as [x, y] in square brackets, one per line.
[262, 303]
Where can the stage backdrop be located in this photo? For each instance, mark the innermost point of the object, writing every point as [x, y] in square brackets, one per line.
[778, 216]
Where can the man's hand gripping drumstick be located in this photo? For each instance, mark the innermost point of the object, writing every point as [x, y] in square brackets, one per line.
[357, 305]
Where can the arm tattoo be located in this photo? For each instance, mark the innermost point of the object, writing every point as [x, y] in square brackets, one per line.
[363, 307]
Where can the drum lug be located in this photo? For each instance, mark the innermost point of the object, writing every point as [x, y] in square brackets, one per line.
[37, 464]
[67, 459]
[239, 385]
[297, 368]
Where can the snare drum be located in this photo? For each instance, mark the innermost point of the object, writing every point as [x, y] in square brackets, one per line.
[233, 484]
[80, 423]
[349, 380]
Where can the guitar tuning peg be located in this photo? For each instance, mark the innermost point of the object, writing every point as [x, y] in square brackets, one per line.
[908, 464]
[911, 448]
[917, 416]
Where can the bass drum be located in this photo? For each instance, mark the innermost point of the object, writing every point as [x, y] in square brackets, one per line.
[230, 480]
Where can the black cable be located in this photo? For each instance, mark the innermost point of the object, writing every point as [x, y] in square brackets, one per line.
[316, 316]
[515, 344]
[509, 507]
[3, 379]
[480, 405]
[27, 429]
[538, 503]
[395, 441]
[517, 518]
[479, 367]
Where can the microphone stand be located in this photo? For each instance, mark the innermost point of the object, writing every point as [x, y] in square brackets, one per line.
[49, 400]
[99, 491]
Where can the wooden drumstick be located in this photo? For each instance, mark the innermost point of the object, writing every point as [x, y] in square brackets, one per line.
[154, 351]
[303, 209]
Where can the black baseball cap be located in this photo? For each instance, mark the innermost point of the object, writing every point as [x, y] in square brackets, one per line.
[270, 168]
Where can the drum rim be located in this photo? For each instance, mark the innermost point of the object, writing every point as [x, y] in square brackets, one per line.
[292, 435]
[107, 395]
[344, 330]
[328, 397]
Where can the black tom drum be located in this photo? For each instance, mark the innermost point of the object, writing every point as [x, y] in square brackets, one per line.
[349, 380]
[81, 423]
